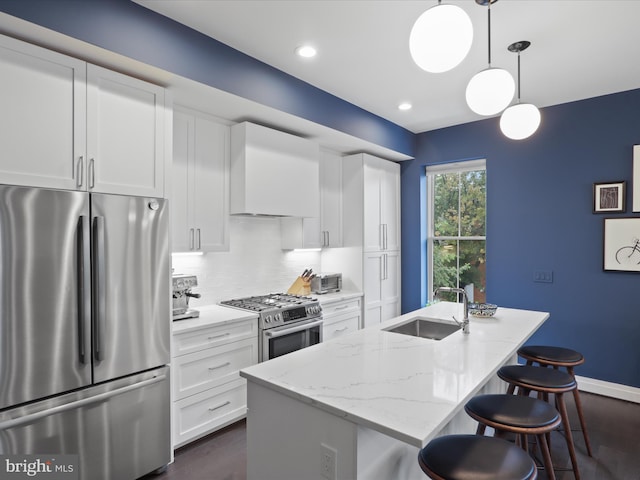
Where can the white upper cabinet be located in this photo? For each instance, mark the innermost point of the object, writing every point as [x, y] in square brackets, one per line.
[125, 134]
[200, 196]
[331, 199]
[273, 173]
[325, 230]
[381, 204]
[66, 124]
[42, 103]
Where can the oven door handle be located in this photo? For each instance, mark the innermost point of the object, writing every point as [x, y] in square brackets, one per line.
[286, 331]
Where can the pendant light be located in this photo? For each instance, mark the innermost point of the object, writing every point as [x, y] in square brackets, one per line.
[491, 90]
[441, 38]
[521, 120]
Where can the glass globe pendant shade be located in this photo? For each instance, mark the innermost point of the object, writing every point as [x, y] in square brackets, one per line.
[441, 38]
[490, 91]
[520, 121]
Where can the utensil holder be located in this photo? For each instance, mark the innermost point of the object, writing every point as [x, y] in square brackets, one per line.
[300, 287]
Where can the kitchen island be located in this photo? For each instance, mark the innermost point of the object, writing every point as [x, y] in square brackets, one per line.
[361, 406]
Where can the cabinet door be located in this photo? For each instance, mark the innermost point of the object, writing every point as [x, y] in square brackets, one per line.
[390, 286]
[331, 199]
[125, 129]
[210, 190]
[372, 205]
[373, 270]
[43, 104]
[390, 205]
[183, 130]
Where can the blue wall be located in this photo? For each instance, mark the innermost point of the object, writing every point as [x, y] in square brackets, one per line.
[539, 217]
[129, 29]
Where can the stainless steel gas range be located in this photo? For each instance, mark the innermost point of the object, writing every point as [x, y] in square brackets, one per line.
[286, 323]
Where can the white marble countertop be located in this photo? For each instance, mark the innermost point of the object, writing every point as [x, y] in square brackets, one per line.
[336, 296]
[403, 386]
[212, 315]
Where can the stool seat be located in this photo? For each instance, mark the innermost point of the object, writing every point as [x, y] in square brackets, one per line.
[558, 356]
[513, 411]
[473, 457]
[537, 376]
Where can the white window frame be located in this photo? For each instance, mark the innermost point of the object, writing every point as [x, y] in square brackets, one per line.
[432, 171]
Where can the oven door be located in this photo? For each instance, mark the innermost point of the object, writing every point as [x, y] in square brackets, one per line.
[289, 338]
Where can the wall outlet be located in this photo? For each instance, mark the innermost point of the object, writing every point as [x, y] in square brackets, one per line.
[328, 462]
[543, 276]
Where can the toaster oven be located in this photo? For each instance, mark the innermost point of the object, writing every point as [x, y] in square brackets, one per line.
[326, 283]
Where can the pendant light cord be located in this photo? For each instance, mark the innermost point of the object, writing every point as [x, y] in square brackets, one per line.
[518, 77]
[489, 31]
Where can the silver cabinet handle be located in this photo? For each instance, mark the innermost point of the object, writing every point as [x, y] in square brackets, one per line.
[198, 244]
[341, 307]
[79, 171]
[99, 279]
[92, 173]
[220, 366]
[191, 238]
[211, 409]
[338, 330]
[26, 419]
[218, 336]
[384, 236]
[328, 238]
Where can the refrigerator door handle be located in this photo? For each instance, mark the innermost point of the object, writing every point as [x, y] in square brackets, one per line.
[99, 294]
[84, 283]
[26, 419]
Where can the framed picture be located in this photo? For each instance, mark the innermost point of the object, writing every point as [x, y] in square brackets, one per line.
[622, 244]
[609, 197]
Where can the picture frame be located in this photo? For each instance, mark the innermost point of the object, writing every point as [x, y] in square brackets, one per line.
[609, 197]
[621, 244]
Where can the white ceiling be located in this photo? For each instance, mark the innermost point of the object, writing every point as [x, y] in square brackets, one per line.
[579, 49]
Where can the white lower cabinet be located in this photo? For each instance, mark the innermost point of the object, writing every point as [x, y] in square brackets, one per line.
[208, 392]
[381, 287]
[208, 411]
[341, 317]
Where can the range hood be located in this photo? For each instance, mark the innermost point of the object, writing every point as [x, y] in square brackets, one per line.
[273, 173]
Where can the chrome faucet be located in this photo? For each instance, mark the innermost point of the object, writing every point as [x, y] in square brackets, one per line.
[465, 321]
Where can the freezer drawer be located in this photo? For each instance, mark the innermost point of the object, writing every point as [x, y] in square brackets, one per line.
[120, 429]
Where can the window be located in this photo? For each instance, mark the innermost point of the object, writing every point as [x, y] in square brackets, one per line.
[456, 220]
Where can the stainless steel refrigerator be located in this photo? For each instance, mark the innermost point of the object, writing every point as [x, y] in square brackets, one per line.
[85, 329]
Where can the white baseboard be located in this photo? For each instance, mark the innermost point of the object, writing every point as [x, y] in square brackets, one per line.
[608, 389]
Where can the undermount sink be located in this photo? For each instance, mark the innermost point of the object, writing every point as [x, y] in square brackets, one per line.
[425, 328]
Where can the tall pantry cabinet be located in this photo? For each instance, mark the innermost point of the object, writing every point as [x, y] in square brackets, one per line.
[371, 189]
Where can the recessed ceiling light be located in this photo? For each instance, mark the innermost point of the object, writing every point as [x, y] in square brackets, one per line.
[404, 106]
[306, 51]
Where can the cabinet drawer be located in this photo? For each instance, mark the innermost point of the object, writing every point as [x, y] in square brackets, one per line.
[328, 310]
[204, 412]
[341, 325]
[199, 371]
[195, 340]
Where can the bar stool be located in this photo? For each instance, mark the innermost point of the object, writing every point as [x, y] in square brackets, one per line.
[544, 381]
[548, 356]
[472, 457]
[517, 414]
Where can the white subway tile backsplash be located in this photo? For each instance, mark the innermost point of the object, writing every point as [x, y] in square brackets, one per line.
[254, 265]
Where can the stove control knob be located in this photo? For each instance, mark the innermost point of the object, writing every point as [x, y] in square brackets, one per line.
[277, 317]
[267, 319]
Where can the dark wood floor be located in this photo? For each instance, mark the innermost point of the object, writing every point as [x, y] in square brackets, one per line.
[614, 431]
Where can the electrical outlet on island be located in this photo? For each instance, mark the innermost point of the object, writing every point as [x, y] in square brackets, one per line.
[328, 462]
